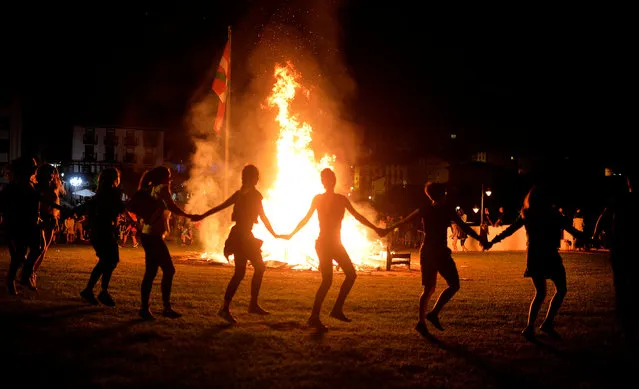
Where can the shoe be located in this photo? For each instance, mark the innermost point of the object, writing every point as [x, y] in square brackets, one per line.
[528, 333]
[105, 298]
[339, 316]
[88, 296]
[549, 329]
[314, 322]
[145, 314]
[258, 310]
[226, 315]
[11, 287]
[422, 329]
[434, 321]
[28, 281]
[170, 313]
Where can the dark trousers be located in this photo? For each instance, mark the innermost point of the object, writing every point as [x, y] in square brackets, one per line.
[106, 249]
[24, 249]
[156, 256]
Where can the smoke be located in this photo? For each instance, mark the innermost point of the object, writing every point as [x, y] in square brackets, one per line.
[307, 35]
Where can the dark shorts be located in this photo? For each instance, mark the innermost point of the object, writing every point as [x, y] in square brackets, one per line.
[544, 264]
[242, 244]
[434, 261]
[106, 250]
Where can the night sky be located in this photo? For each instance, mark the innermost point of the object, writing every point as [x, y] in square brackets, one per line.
[524, 77]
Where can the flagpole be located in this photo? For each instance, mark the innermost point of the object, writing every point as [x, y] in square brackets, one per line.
[227, 122]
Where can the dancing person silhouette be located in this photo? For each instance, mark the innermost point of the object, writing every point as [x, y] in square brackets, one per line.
[242, 244]
[49, 186]
[544, 226]
[331, 208]
[434, 255]
[20, 207]
[154, 193]
[103, 210]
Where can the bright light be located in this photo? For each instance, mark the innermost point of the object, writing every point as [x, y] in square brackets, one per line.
[457, 208]
[475, 209]
[489, 192]
[370, 197]
[75, 181]
[62, 174]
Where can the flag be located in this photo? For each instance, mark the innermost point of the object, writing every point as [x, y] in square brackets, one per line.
[221, 83]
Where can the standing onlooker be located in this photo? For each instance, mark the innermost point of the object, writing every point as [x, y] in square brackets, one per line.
[621, 218]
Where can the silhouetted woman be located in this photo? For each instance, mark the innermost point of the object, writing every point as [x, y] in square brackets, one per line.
[19, 209]
[103, 210]
[331, 208]
[156, 183]
[50, 188]
[247, 207]
[544, 229]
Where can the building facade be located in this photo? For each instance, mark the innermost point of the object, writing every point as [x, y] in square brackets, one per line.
[10, 128]
[134, 148]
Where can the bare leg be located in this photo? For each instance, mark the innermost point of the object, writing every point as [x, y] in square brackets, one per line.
[234, 283]
[256, 284]
[540, 295]
[320, 295]
[560, 292]
[347, 285]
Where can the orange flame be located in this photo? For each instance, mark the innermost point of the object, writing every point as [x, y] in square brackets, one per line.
[297, 182]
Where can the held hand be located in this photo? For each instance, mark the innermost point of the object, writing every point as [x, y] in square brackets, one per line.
[197, 218]
[209, 213]
[382, 232]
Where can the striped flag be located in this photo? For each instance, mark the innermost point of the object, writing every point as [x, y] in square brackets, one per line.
[221, 83]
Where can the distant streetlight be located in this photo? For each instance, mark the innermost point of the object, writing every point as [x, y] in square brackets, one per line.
[75, 181]
[487, 192]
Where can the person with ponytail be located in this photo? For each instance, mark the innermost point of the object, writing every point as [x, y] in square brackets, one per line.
[49, 187]
[103, 210]
[544, 225]
[241, 243]
[152, 205]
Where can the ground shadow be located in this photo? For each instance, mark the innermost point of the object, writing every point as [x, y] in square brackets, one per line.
[502, 376]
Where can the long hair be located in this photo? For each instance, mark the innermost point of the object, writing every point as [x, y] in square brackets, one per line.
[537, 200]
[153, 177]
[250, 176]
[107, 179]
[48, 179]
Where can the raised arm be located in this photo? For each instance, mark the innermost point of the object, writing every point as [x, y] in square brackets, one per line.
[360, 218]
[405, 220]
[508, 231]
[464, 226]
[227, 203]
[305, 219]
[603, 219]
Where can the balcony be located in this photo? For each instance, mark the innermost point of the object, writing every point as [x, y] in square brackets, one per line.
[90, 139]
[111, 140]
[130, 158]
[110, 157]
[151, 139]
[130, 141]
[149, 159]
[88, 156]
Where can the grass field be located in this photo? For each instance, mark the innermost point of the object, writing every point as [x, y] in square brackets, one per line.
[52, 338]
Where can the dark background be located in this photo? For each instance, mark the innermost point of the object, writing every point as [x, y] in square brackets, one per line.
[512, 76]
[546, 80]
